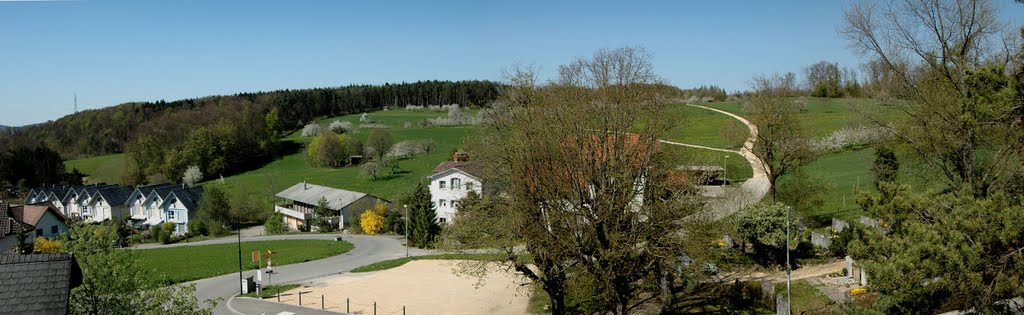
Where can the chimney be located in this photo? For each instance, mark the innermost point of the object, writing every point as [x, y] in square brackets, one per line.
[304, 187]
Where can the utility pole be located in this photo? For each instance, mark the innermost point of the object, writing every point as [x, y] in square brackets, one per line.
[76, 102]
[789, 293]
[406, 230]
[725, 167]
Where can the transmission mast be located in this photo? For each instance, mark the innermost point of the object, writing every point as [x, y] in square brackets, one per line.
[76, 102]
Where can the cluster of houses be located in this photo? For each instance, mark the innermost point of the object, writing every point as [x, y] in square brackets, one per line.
[143, 205]
[450, 182]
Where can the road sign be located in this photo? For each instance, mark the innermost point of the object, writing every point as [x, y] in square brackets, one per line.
[255, 256]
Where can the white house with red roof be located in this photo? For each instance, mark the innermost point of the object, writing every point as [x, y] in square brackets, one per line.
[451, 181]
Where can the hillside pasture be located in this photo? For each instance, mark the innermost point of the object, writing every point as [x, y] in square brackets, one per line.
[101, 169]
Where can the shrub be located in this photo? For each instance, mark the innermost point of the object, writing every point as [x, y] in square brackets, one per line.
[304, 227]
[311, 130]
[848, 137]
[155, 231]
[365, 118]
[372, 220]
[408, 148]
[43, 245]
[339, 126]
[197, 227]
[371, 223]
[394, 223]
[275, 224]
[166, 233]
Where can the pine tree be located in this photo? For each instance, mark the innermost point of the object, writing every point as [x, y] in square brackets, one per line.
[423, 218]
[322, 216]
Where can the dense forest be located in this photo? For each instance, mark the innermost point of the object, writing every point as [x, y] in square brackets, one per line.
[110, 130]
[220, 134]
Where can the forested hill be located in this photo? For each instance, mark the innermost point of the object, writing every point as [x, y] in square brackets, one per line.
[110, 130]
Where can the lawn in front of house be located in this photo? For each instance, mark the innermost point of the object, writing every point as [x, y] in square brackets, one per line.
[294, 168]
[186, 263]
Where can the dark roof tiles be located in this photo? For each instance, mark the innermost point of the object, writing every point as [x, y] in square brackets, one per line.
[37, 284]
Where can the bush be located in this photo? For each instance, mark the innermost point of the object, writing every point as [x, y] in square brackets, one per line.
[216, 228]
[410, 148]
[154, 232]
[311, 130]
[304, 227]
[43, 245]
[197, 227]
[372, 220]
[275, 224]
[166, 233]
[339, 126]
[394, 223]
[840, 246]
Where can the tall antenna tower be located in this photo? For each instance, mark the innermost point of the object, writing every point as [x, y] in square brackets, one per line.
[76, 102]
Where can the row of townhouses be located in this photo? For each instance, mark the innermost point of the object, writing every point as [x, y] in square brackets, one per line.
[144, 205]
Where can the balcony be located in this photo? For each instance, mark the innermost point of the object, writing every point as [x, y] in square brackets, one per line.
[292, 213]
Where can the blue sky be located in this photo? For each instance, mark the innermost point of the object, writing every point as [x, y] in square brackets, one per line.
[111, 52]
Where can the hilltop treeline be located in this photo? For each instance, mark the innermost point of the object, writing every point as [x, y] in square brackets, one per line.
[109, 130]
[224, 134]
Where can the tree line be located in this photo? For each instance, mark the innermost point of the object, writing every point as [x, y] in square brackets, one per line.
[113, 129]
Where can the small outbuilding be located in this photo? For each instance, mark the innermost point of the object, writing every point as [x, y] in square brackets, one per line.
[298, 202]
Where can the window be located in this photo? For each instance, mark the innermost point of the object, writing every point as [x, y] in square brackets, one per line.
[442, 220]
[443, 203]
[170, 215]
[53, 229]
[469, 185]
[39, 232]
[456, 183]
[180, 228]
[455, 203]
[440, 184]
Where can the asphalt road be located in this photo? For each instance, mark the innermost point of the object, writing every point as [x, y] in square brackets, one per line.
[368, 250]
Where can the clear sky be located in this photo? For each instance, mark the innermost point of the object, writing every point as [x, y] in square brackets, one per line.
[110, 52]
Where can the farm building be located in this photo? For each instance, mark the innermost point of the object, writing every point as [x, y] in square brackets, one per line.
[298, 202]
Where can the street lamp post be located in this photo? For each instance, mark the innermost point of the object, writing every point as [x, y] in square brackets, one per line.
[240, 283]
[789, 293]
[406, 230]
[725, 167]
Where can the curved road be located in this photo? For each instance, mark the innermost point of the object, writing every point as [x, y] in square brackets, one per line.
[368, 250]
[752, 190]
[371, 249]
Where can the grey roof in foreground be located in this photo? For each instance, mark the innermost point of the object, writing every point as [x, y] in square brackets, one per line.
[311, 194]
[37, 284]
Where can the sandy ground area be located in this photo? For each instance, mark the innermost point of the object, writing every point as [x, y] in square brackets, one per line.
[422, 286]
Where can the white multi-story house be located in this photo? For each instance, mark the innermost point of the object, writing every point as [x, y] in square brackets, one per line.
[452, 181]
[110, 203]
[138, 205]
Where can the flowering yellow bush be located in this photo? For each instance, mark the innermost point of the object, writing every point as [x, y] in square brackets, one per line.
[371, 222]
[858, 291]
[42, 245]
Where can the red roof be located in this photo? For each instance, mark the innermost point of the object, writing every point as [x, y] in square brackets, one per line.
[470, 168]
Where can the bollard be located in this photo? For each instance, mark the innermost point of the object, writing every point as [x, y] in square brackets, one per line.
[321, 301]
[403, 309]
[279, 294]
[374, 308]
[300, 297]
[346, 306]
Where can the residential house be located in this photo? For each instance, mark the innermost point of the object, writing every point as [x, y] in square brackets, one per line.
[179, 205]
[38, 220]
[137, 201]
[37, 284]
[109, 203]
[451, 181]
[10, 227]
[78, 199]
[298, 202]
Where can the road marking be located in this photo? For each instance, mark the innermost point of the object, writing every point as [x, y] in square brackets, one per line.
[285, 313]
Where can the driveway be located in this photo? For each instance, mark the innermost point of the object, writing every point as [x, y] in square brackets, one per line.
[368, 250]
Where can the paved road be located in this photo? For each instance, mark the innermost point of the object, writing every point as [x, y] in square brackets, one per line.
[368, 250]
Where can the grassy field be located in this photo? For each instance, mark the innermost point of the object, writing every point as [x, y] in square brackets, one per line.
[825, 115]
[806, 298]
[294, 168]
[737, 167]
[703, 127]
[186, 263]
[100, 169]
[848, 172]
[388, 264]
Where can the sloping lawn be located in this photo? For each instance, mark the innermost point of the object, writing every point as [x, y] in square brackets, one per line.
[704, 127]
[186, 263]
[289, 170]
[100, 169]
[738, 169]
[825, 115]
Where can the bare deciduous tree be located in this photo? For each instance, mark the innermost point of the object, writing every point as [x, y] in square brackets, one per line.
[584, 187]
[946, 63]
[780, 141]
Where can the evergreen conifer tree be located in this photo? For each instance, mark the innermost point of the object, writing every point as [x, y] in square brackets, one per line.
[423, 226]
